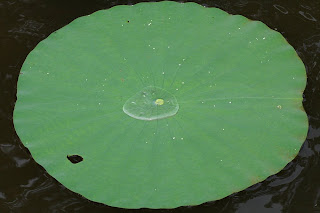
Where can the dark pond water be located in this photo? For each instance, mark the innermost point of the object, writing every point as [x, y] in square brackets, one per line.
[26, 187]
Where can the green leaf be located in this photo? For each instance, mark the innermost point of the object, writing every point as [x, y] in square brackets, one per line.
[218, 104]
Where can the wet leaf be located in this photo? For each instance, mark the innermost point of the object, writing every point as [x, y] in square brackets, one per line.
[233, 118]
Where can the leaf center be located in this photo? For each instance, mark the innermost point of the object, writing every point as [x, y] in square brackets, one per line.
[151, 103]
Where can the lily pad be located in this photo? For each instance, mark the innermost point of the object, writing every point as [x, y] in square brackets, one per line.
[161, 105]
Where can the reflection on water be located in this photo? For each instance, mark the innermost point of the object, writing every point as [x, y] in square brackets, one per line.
[26, 187]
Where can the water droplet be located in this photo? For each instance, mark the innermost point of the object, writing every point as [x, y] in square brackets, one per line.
[229, 102]
[149, 24]
[99, 103]
[173, 138]
[293, 78]
[181, 138]
[179, 64]
[177, 89]
[279, 107]
[239, 28]
[133, 102]
[86, 79]
[209, 72]
[47, 73]
[214, 105]
[168, 46]
[182, 82]
[183, 59]
[264, 38]
[202, 102]
[162, 73]
[223, 129]
[154, 48]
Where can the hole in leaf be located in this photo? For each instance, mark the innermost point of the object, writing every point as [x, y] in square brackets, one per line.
[75, 158]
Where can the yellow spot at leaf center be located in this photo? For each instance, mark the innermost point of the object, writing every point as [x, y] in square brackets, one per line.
[159, 101]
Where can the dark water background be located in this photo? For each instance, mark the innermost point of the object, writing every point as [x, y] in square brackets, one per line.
[26, 187]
